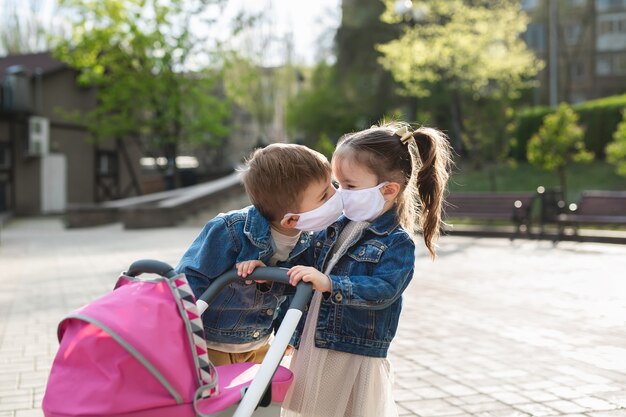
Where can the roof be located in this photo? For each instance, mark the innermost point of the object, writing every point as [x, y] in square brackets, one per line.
[31, 62]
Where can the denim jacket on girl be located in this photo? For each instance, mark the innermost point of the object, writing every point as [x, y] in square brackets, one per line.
[241, 313]
[360, 315]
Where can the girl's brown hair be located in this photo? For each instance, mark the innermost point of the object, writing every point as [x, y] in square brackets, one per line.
[420, 164]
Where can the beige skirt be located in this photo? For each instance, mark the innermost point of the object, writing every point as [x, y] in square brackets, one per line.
[328, 383]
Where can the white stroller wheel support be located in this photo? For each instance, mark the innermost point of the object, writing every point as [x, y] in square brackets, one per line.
[272, 359]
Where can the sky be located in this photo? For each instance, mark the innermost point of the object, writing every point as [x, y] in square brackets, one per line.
[306, 20]
[310, 22]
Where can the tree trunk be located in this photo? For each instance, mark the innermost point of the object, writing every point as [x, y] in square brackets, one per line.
[492, 173]
[562, 179]
[457, 122]
[171, 173]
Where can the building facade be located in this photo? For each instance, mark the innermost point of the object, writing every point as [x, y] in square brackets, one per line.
[47, 162]
[590, 46]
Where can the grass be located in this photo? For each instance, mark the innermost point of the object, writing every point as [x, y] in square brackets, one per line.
[525, 177]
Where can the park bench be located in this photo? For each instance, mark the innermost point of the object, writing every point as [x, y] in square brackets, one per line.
[488, 206]
[594, 208]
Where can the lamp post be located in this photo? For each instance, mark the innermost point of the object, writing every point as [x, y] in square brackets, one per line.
[553, 55]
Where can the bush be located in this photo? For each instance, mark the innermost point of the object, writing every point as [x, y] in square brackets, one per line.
[616, 150]
[599, 118]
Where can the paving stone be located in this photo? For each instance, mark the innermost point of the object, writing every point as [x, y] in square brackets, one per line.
[539, 396]
[432, 408]
[534, 329]
[595, 404]
[566, 406]
[485, 407]
[614, 397]
[536, 410]
[29, 413]
[458, 390]
[613, 413]
[510, 398]
[429, 393]
[509, 412]
[566, 393]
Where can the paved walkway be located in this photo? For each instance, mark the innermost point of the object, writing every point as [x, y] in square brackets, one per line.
[491, 328]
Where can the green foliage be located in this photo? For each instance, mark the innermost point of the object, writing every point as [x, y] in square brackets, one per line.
[475, 46]
[616, 150]
[466, 59]
[558, 143]
[321, 109]
[136, 53]
[597, 175]
[325, 146]
[599, 117]
[355, 91]
[526, 124]
[249, 87]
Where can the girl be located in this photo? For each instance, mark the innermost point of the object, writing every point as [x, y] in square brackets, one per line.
[388, 177]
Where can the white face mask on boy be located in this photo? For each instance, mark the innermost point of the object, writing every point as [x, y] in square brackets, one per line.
[321, 217]
[362, 205]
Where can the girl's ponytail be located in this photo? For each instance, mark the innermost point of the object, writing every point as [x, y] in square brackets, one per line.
[431, 179]
[421, 166]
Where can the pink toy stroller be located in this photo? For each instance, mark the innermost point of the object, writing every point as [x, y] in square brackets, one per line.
[139, 351]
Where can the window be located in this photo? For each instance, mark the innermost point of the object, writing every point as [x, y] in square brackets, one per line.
[107, 163]
[5, 156]
[534, 36]
[612, 23]
[572, 34]
[611, 64]
[603, 5]
[619, 64]
[530, 4]
[578, 70]
[603, 65]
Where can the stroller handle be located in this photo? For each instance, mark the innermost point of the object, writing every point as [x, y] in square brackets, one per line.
[150, 266]
[303, 294]
[304, 290]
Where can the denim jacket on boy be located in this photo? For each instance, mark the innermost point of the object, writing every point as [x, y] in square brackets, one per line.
[241, 313]
[360, 315]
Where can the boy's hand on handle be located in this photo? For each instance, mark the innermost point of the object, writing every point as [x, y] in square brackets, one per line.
[245, 268]
[319, 281]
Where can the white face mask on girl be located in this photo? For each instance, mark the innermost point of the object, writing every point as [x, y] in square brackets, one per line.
[321, 217]
[362, 205]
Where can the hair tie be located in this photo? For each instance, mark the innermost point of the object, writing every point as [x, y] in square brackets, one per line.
[405, 134]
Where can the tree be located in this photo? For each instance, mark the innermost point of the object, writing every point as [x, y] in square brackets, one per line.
[459, 57]
[136, 53]
[616, 150]
[350, 90]
[368, 88]
[23, 27]
[320, 109]
[558, 143]
[258, 73]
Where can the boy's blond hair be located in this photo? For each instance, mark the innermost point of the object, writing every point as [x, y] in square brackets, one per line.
[277, 175]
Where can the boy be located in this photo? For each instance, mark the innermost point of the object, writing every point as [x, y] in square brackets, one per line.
[281, 180]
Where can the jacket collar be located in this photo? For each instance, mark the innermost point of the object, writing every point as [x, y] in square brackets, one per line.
[385, 224]
[257, 229]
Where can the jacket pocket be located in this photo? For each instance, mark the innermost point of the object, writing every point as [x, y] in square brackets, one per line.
[369, 251]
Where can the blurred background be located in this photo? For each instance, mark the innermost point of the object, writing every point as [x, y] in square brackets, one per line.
[107, 99]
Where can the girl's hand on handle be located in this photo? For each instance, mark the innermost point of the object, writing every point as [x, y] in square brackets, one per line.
[245, 268]
[319, 281]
